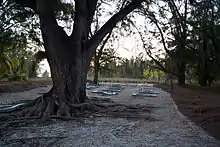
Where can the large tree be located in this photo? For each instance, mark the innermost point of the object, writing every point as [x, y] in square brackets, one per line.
[69, 55]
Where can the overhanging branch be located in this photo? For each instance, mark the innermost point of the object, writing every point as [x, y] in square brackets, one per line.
[103, 44]
[159, 65]
[155, 21]
[111, 23]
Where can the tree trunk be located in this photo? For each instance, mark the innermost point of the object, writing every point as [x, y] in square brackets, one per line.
[96, 75]
[202, 80]
[69, 72]
[181, 73]
[96, 70]
[69, 82]
[203, 75]
[85, 68]
[203, 65]
[97, 56]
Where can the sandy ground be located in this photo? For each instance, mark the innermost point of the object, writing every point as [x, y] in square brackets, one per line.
[167, 128]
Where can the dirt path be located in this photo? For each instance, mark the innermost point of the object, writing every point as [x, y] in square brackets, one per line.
[167, 128]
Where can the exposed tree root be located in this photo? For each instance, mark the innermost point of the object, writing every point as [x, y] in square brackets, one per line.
[48, 107]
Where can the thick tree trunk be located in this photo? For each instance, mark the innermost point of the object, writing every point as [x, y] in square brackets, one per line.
[69, 72]
[203, 75]
[85, 64]
[69, 86]
[202, 80]
[181, 62]
[203, 64]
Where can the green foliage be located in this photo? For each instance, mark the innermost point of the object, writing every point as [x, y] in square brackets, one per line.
[18, 27]
[16, 62]
[7, 64]
[18, 77]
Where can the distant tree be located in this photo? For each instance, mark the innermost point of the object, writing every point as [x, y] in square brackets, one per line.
[101, 56]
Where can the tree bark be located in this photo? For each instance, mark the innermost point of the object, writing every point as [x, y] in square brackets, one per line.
[96, 70]
[204, 73]
[181, 73]
[202, 79]
[203, 64]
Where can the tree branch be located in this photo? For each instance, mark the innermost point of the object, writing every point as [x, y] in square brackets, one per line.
[103, 44]
[159, 65]
[84, 12]
[155, 21]
[48, 23]
[107, 27]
